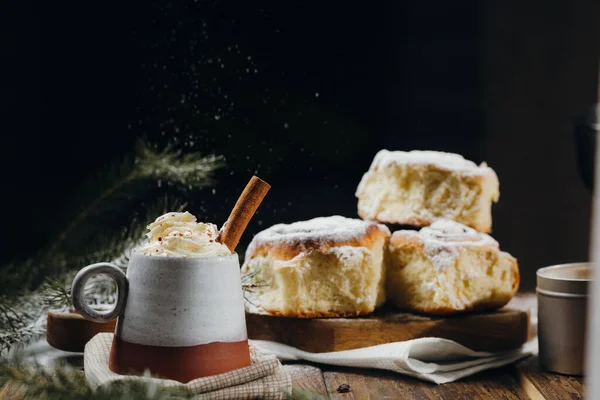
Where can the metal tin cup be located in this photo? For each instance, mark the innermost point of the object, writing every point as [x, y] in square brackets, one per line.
[562, 292]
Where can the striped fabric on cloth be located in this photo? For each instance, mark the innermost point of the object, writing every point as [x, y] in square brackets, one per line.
[265, 378]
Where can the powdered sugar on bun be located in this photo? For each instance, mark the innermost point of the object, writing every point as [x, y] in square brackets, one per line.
[449, 232]
[443, 240]
[448, 161]
[315, 234]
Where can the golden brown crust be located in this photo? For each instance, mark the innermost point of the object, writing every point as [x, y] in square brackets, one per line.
[406, 242]
[516, 274]
[287, 249]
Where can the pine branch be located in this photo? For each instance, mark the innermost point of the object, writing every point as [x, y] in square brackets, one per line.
[37, 382]
[56, 293]
[173, 166]
[63, 382]
[22, 321]
[249, 287]
[189, 170]
[249, 283]
[95, 234]
[88, 237]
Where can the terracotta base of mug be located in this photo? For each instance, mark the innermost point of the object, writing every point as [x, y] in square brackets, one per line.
[182, 364]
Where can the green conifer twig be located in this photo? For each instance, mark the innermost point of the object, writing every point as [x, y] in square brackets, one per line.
[78, 241]
[169, 165]
[63, 382]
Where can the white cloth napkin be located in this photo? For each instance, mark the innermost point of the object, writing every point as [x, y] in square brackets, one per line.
[430, 359]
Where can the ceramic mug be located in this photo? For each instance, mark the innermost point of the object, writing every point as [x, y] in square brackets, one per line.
[181, 318]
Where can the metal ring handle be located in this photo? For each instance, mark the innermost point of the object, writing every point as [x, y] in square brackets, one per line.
[78, 291]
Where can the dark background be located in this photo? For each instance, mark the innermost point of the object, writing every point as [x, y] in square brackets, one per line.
[302, 94]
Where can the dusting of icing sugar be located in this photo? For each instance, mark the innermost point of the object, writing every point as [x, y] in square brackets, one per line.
[448, 161]
[349, 253]
[443, 240]
[449, 231]
[323, 229]
[440, 257]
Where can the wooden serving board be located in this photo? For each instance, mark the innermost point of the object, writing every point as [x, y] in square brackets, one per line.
[69, 331]
[492, 331]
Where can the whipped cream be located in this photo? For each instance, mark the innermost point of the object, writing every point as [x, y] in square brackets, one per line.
[178, 234]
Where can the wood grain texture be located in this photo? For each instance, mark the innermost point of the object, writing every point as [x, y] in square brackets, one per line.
[371, 384]
[495, 331]
[306, 377]
[70, 331]
[539, 384]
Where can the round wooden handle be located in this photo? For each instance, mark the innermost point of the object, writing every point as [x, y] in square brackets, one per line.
[242, 212]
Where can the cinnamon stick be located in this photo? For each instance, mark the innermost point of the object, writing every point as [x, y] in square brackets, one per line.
[242, 212]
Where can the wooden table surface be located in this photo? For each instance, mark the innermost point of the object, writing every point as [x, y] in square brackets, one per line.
[522, 380]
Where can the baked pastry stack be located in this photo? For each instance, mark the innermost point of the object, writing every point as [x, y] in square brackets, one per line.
[336, 266]
[324, 267]
[450, 265]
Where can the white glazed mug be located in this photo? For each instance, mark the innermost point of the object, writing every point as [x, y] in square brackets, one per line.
[181, 318]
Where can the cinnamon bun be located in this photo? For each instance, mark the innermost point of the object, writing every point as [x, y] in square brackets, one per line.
[449, 268]
[419, 187]
[323, 267]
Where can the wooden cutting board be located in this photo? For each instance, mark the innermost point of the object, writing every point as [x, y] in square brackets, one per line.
[69, 331]
[492, 331]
